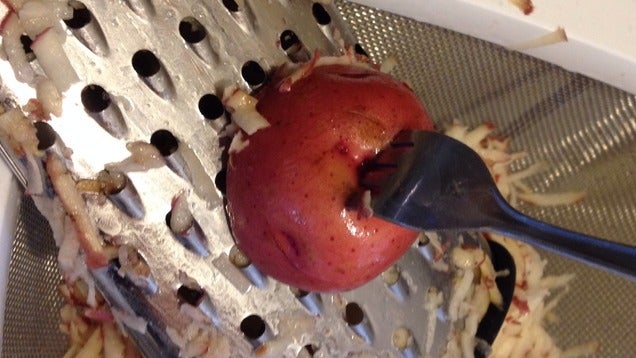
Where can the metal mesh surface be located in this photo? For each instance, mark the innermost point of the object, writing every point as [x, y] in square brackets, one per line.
[32, 314]
[584, 128]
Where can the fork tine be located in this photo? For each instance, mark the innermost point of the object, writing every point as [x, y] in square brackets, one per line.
[379, 166]
[375, 172]
[403, 139]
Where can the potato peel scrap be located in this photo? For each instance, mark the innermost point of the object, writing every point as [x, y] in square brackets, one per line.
[242, 106]
[525, 6]
[73, 203]
[551, 38]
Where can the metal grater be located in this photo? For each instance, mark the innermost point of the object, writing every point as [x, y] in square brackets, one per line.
[584, 128]
[154, 71]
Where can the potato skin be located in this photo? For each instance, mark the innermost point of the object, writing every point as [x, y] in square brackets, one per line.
[288, 188]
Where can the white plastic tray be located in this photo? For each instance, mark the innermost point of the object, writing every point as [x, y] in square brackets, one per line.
[600, 33]
[9, 199]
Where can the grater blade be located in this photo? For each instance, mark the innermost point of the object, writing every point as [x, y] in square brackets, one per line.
[163, 85]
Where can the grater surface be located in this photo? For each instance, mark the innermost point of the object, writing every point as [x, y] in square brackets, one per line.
[137, 54]
[555, 114]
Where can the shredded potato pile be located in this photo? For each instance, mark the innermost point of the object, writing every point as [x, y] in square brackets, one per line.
[91, 328]
[536, 295]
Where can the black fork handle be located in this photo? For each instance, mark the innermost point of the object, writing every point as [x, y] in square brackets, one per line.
[610, 256]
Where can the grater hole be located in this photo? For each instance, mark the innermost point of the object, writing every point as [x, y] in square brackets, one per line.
[195, 34]
[45, 134]
[394, 281]
[253, 73]
[238, 258]
[288, 39]
[81, 15]
[299, 293]
[243, 263]
[95, 98]
[320, 14]
[151, 72]
[293, 47]
[188, 233]
[210, 106]
[355, 318]
[220, 180]
[231, 5]
[423, 240]
[360, 50]
[123, 193]
[97, 103]
[353, 314]
[427, 251]
[253, 327]
[311, 300]
[117, 181]
[189, 295]
[165, 142]
[26, 46]
[133, 265]
[307, 351]
[145, 63]
[191, 30]
[87, 31]
[403, 340]
[391, 275]
[168, 146]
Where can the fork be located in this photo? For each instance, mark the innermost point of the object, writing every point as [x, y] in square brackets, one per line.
[429, 181]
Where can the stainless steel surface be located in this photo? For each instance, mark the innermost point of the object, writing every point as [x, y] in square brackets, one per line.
[585, 129]
[120, 100]
[441, 184]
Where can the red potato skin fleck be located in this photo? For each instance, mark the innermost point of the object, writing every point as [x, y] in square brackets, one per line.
[288, 188]
[526, 6]
[37, 110]
[40, 35]
[528, 10]
[522, 305]
[8, 5]
[6, 18]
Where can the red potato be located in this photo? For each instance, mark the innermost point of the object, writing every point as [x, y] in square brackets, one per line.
[287, 190]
